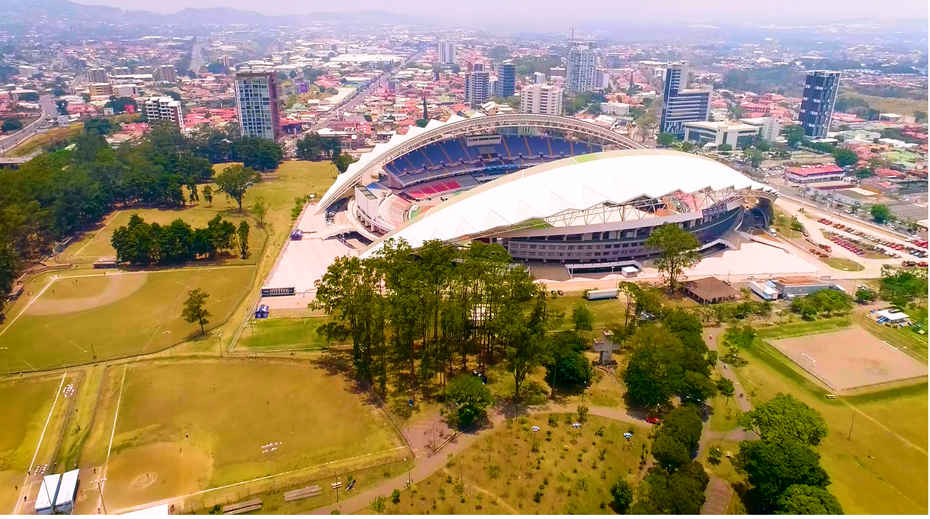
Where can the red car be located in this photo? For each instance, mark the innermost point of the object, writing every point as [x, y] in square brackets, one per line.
[654, 420]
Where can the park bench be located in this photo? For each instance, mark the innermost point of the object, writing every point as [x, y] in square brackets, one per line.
[303, 493]
[242, 507]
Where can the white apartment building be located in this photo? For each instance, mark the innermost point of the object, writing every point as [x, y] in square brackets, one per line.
[768, 127]
[477, 85]
[27, 70]
[723, 132]
[541, 99]
[612, 108]
[163, 109]
[257, 103]
[446, 50]
[581, 69]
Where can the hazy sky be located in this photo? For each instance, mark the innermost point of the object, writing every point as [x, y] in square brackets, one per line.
[804, 12]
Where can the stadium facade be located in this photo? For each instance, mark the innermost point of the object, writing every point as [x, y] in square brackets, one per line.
[547, 193]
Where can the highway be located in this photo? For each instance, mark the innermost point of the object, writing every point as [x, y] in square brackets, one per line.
[49, 110]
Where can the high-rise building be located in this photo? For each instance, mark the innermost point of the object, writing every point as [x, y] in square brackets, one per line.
[477, 85]
[581, 69]
[541, 99]
[446, 51]
[27, 70]
[506, 79]
[163, 109]
[680, 105]
[539, 78]
[166, 73]
[100, 90]
[96, 75]
[817, 102]
[257, 103]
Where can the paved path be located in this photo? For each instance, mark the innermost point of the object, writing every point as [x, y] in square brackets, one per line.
[718, 495]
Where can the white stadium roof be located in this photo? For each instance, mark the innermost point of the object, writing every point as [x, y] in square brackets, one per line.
[577, 183]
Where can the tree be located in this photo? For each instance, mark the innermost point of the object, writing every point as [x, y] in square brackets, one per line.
[864, 295]
[793, 135]
[622, 492]
[920, 117]
[208, 195]
[469, 397]
[653, 372]
[259, 154]
[259, 210]
[11, 125]
[754, 157]
[665, 140]
[738, 337]
[665, 493]
[342, 161]
[880, 213]
[808, 500]
[242, 234]
[773, 467]
[785, 418]
[725, 147]
[678, 252]
[566, 364]
[583, 318]
[216, 68]
[523, 323]
[98, 126]
[726, 388]
[844, 157]
[697, 387]
[195, 310]
[902, 286]
[669, 452]
[235, 180]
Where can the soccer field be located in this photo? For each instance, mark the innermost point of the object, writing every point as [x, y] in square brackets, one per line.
[877, 461]
[72, 319]
[188, 426]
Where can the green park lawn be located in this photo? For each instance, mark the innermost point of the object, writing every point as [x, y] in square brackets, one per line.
[115, 315]
[189, 426]
[877, 462]
[283, 333]
[572, 471]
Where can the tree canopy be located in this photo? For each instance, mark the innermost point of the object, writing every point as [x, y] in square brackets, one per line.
[235, 180]
[195, 310]
[678, 251]
[469, 398]
[808, 500]
[773, 467]
[785, 418]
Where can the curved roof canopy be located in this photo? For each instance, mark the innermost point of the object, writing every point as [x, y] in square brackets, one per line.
[632, 179]
[457, 126]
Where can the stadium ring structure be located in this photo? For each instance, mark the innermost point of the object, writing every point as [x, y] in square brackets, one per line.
[597, 209]
[371, 163]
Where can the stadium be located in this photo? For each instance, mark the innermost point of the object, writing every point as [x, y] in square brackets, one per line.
[571, 202]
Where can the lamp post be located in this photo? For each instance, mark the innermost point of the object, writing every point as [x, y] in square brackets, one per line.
[409, 481]
[270, 449]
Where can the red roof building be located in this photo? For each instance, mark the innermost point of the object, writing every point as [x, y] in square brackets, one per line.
[810, 174]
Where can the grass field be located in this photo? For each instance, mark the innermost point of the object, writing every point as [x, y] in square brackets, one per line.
[605, 311]
[878, 463]
[844, 264]
[905, 338]
[570, 471]
[41, 139]
[25, 405]
[189, 426]
[283, 334]
[115, 315]
[96, 244]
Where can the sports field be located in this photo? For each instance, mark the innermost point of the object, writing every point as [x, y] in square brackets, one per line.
[283, 334]
[71, 319]
[25, 405]
[877, 461]
[556, 470]
[185, 427]
[850, 358]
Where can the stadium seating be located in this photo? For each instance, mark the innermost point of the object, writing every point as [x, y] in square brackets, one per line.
[442, 160]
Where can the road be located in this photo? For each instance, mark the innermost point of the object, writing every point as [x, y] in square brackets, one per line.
[49, 110]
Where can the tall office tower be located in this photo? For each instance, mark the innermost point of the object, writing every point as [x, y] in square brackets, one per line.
[506, 79]
[257, 103]
[541, 99]
[581, 69]
[817, 102]
[539, 78]
[477, 85]
[164, 109]
[96, 75]
[446, 52]
[679, 105]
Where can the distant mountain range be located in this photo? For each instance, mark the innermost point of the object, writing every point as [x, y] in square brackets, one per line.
[21, 16]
